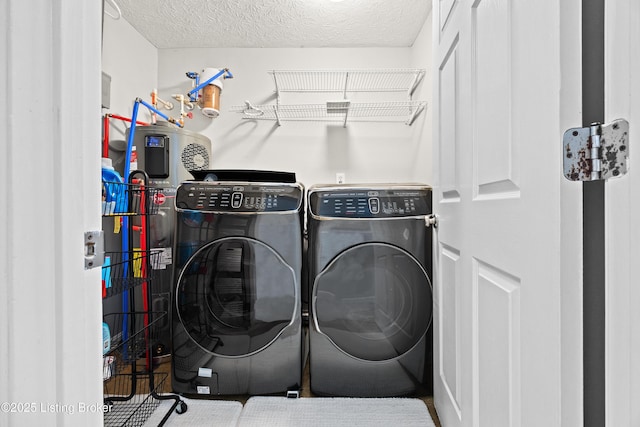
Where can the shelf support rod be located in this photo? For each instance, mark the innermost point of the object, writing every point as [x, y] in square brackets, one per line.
[275, 83]
[415, 114]
[416, 79]
[275, 111]
[346, 84]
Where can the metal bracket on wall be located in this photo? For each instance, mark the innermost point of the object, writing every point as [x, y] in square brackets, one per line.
[597, 152]
[93, 249]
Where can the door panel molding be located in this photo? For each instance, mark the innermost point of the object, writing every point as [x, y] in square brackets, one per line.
[446, 7]
[449, 307]
[495, 154]
[448, 123]
[497, 336]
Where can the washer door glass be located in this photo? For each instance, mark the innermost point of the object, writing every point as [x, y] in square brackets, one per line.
[235, 296]
[373, 301]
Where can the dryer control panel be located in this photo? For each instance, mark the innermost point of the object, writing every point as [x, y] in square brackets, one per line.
[238, 197]
[370, 203]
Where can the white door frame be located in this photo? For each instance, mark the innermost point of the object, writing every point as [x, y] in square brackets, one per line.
[50, 307]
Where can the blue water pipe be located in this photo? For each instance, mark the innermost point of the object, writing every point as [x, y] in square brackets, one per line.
[125, 220]
[206, 82]
[158, 112]
[193, 97]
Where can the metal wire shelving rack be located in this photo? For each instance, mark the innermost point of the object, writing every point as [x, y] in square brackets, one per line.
[132, 390]
[128, 199]
[345, 83]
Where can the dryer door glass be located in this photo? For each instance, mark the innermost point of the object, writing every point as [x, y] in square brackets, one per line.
[373, 301]
[235, 296]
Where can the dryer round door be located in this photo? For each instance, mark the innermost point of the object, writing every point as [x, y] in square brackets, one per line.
[235, 296]
[373, 301]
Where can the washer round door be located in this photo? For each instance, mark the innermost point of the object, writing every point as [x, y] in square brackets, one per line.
[373, 301]
[235, 296]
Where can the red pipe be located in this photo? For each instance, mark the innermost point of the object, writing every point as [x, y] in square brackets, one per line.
[105, 130]
[145, 258]
[127, 119]
[105, 139]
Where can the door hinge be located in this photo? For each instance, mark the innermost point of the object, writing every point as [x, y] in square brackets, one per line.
[597, 152]
[93, 249]
[431, 220]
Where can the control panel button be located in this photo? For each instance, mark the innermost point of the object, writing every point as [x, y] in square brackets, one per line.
[374, 205]
[236, 200]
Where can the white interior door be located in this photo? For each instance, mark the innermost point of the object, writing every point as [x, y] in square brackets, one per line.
[622, 100]
[508, 241]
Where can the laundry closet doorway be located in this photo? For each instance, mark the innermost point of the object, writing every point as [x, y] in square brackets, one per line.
[477, 267]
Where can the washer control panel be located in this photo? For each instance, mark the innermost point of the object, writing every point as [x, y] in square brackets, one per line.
[370, 203]
[237, 197]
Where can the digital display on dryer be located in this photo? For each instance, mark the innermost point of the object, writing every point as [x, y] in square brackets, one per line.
[370, 204]
[216, 197]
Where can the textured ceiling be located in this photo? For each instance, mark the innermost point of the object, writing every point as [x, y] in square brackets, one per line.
[276, 23]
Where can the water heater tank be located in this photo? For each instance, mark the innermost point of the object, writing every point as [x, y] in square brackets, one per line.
[168, 153]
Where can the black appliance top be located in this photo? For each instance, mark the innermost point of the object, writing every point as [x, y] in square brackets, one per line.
[238, 197]
[243, 175]
[392, 201]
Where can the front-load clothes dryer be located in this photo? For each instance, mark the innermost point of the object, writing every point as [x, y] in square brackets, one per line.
[236, 322]
[371, 296]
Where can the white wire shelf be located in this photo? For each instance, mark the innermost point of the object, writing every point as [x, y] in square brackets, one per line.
[345, 81]
[350, 83]
[339, 111]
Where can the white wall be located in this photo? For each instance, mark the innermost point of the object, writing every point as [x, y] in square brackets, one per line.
[316, 151]
[421, 57]
[132, 63]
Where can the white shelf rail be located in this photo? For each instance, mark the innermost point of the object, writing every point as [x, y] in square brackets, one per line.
[395, 111]
[345, 82]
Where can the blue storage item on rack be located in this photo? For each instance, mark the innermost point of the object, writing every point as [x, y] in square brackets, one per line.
[114, 197]
[106, 338]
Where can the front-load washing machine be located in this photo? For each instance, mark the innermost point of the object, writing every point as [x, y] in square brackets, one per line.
[236, 323]
[370, 289]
